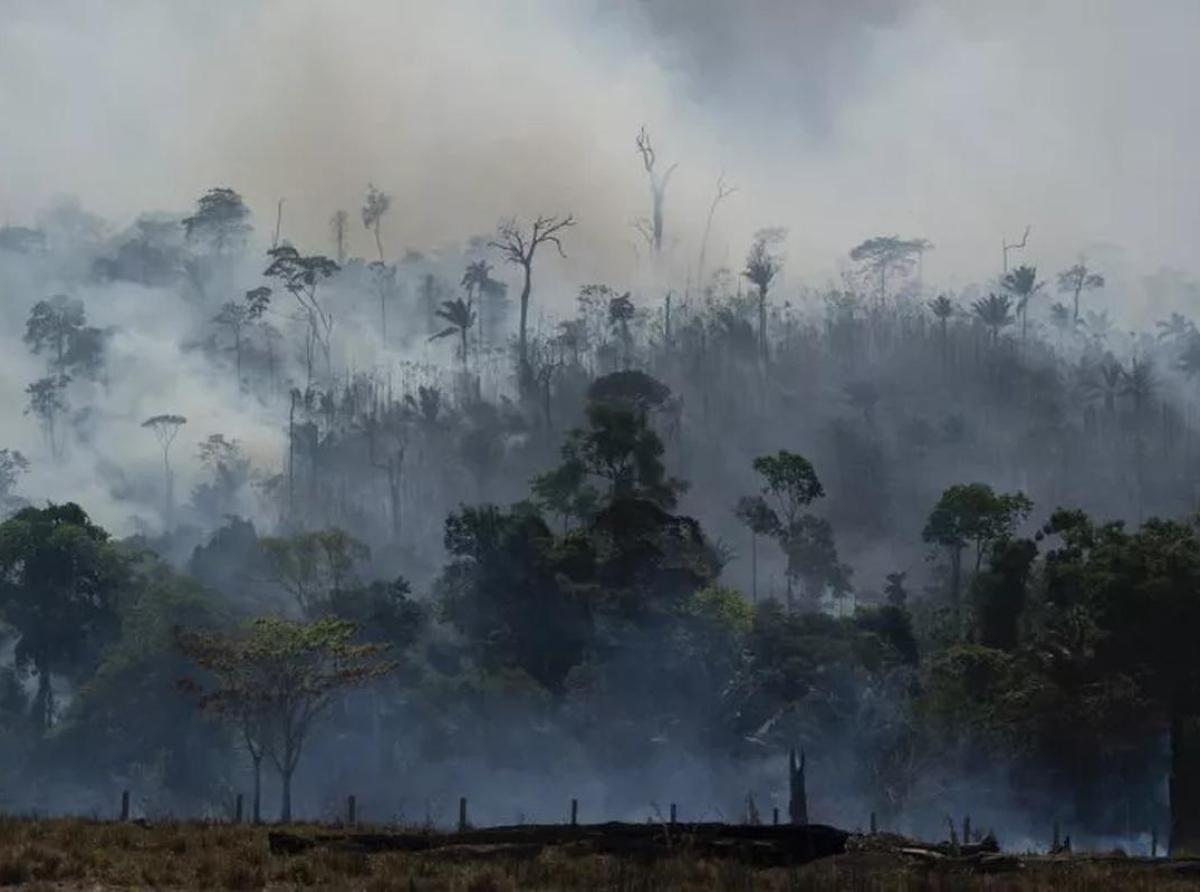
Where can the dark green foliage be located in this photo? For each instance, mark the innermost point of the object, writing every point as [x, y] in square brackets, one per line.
[60, 579]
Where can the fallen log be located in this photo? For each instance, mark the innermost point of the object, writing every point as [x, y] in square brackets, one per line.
[785, 844]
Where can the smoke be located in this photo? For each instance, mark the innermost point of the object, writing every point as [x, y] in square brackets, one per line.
[958, 122]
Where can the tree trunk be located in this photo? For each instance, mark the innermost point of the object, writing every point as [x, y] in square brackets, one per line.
[1184, 789]
[754, 568]
[762, 322]
[257, 788]
[522, 342]
[955, 589]
[45, 697]
[285, 810]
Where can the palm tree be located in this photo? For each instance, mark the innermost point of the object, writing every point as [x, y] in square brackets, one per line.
[475, 280]
[1174, 328]
[1060, 317]
[994, 311]
[1022, 282]
[943, 309]
[1108, 383]
[1138, 384]
[461, 317]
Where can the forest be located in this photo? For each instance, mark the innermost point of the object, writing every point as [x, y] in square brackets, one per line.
[625, 545]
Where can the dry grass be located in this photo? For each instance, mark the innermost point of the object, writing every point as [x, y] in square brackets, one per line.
[70, 855]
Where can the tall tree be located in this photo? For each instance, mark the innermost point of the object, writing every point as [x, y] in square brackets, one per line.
[282, 676]
[302, 277]
[652, 229]
[314, 567]
[476, 281]
[723, 191]
[166, 429]
[375, 208]
[884, 254]
[1076, 280]
[461, 316]
[761, 268]
[235, 318]
[47, 400]
[1023, 282]
[971, 514]
[222, 220]
[519, 248]
[943, 309]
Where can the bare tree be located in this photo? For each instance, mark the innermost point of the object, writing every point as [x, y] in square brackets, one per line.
[723, 192]
[652, 229]
[1006, 247]
[518, 247]
[166, 428]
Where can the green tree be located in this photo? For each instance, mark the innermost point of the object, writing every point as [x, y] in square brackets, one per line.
[315, 567]
[47, 400]
[59, 582]
[277, 679]
[53, 326]
[971, 515]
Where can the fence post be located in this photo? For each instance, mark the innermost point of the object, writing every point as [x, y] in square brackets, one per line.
[237, 809]
[462, 814]
[125, 805]
[673, 812]
[574, 812]
[351, 810]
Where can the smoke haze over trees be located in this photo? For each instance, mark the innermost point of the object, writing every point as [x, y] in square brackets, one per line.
[602, 409]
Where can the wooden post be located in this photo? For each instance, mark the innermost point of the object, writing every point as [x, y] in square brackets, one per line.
[462, 814]
[874, 828]
[1153, 842]
[125, 805]
[672, 812]
[351, 810]
[574, 812]
[237, 809]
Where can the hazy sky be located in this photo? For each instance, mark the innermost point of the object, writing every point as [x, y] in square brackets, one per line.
[958, 120]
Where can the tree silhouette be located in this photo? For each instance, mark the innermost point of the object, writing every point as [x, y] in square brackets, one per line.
[166, 428]
[761, 268]
[652, 229]
[1076, 280]
[221, 220]
[943, 308]
[519, 248]
[47, 400]
[1022, 282]
[994, 311]
[375, 207]
[301, 276]
[461, 317]
[277, 679]
[236, 318]
[883, 254]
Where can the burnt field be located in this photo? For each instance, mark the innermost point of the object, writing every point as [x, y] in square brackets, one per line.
[72, 854]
